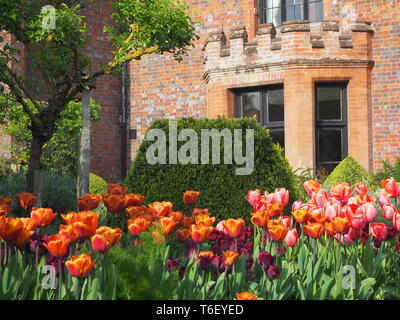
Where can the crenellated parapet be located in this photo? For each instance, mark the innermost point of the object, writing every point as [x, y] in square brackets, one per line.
[301, 41]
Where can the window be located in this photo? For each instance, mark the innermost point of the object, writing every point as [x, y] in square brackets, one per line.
[331, 125]
[276, 11]
[268, 107]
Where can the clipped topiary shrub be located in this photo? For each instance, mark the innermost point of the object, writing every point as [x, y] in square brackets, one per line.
[97, 184]
[222, 191]
[349, 170]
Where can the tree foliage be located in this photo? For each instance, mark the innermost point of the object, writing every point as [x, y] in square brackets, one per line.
[61, 148]
[61, 59]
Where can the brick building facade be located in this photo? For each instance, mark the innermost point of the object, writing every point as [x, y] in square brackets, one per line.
[347, 51]
[322, 75]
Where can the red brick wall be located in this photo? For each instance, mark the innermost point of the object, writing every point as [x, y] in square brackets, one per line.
[385, 84]
[106, 134]
[163, 88]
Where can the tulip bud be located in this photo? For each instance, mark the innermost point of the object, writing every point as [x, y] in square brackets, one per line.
[253, 197]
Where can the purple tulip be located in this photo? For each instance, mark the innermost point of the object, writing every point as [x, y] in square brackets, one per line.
[218, 265]
[265, 259]
[172, 264]
[272, 271]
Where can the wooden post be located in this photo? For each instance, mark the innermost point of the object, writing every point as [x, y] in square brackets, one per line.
[84, 147]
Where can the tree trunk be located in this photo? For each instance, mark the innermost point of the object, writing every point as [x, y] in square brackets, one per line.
[84, 147]
[35, 170]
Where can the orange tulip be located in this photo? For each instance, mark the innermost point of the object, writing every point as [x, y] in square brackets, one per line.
[80, 266]
[183, 235]
[114, 202]
[317, 216]
[29, 223]
[341, 225]
[229, 257]
[260, 218]
[42, 216]
[245, 296]
[69, 232]
[6, 201]
[139, 212]
[274, 209]
[187, 222]
[205, 219]
[84, 223]
[277, 231]
[329, 229]
[168, 224]
[5, 210]
[116, 189]
[58, 244]
[13, 231]
[89, 201]
[209, 254]
[201, 232]
[300, 215]
[233, 227]
[26, 199]
[190, 197]
[197, 211]
[314, 230]
[177, 216]
[70, 217]
[105, 238]
[133, 199]
[161, 209]
[138, 225]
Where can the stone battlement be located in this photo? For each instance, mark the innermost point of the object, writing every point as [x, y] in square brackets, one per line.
[293, 41]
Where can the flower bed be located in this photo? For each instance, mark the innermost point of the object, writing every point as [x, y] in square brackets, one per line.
[341, 244]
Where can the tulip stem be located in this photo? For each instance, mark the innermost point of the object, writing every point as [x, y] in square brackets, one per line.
[78, 289]
[60, 283]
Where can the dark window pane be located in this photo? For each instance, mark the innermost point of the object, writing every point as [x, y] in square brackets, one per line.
[328, 168]
[329, 103]
[315, 10]
[278, 136]
[330, 145]
[275, 105]
[251, 102]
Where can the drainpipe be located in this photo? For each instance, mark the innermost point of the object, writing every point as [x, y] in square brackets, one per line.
[123, 121]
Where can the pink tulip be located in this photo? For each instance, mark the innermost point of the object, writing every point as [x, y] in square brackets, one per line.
[221, 227]
[320, 198]
[391, 187]
[253, 197]
[332, 210]
[298, 205]
[292, 237]
[281, 195]
[369, 211]
[383, 201]
[388, 211]
[396, 221]
[357, 221]
[285, 220]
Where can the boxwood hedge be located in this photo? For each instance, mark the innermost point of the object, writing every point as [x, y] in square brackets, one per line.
[221, 190]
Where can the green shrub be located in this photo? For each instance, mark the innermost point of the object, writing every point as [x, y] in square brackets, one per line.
[221, 190]
[388, 170]
[97, 184]
[59, 193]
[349, 170]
